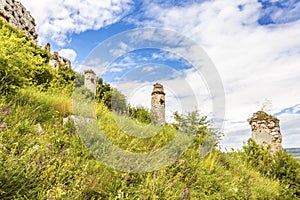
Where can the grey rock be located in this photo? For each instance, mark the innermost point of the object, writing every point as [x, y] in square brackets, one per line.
[2, 126]
[57, 61]
[39, 129]
[16, 15]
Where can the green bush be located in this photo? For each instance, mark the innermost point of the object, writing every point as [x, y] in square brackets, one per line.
[20, 60]
[281, 166]
[140, 113]
[42, 158]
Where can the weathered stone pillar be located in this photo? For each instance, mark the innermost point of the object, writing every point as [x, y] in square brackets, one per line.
[158, 105]
[90, 80]
[48, 47]
[266, 130]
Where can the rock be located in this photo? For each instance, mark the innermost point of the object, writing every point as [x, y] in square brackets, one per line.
[266, 130]
[2, 126]
[65, 120]
[271, 124]
[39, 129]
[57, 61]
[16, 15]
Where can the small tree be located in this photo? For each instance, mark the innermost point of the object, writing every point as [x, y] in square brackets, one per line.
[118, 102]
[140, 113]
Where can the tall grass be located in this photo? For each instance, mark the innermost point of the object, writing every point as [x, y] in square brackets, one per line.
[56, 101]
[54, 163]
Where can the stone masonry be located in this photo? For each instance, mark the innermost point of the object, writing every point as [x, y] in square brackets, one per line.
[56, 60]
[16, 15]
[266, 130]
[90, 80]
[158, 104]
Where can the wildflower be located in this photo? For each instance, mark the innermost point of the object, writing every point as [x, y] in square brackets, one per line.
[36, 147]
[5, 110]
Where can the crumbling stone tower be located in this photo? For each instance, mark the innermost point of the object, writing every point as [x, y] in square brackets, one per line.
[90, 80]
[266, 130]
[158, 104]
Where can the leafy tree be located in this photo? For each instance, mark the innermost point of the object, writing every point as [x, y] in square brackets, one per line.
[192, 123]
[103, 92]
[140, 113]
[111, 97]
[79, 80]
[118, 102]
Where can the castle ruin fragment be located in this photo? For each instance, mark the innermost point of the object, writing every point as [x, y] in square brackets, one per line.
[266, 130]
[158, 104]
[90, 80]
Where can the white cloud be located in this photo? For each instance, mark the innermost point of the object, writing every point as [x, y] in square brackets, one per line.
[119, 50]
[68, 53]
[191, 95]
[56, 20]
[149, 68]
[116, 69]
[288, 11]
[290, 130]
[255, 62]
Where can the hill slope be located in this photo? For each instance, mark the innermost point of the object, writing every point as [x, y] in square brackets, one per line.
[42, 158]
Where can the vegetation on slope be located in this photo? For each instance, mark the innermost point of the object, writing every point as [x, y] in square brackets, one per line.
[42, 158]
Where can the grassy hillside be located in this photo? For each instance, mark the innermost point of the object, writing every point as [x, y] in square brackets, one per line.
[40, 158]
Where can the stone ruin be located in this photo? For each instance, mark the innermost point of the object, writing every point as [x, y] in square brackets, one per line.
[56, 60]
[90, 80]
[158, 104]
[16, 15]
[266, 130]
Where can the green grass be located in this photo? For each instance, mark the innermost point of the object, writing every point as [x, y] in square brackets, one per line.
[55, 164]
[42, 158]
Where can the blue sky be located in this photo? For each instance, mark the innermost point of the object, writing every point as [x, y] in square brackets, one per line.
[254, 45]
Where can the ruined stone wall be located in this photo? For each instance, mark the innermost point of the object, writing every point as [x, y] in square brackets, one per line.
[266, 130]
[16, 15]
[90, 80]
[57, 61]
[158, 104]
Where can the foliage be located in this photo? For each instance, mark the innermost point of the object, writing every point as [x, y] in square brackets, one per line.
[281, 165]
[103, 92]
[20, 60]
[63, 80]
[111, 97]
[261, 115]
[43, 158]
[194, 124]
[139, 113]
[54, 164]
[79, 80]
[118, 102]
